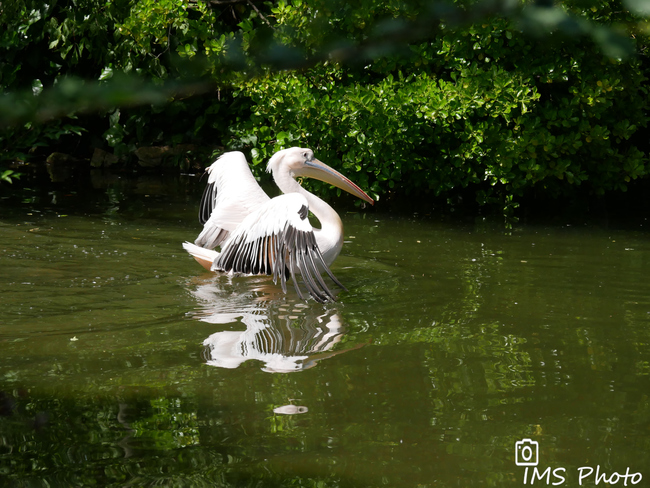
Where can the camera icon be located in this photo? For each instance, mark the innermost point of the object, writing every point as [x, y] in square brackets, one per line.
[526, 452]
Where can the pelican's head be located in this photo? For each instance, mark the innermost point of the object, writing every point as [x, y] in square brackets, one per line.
[298, 161]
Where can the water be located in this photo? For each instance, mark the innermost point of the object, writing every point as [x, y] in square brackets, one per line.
[123, 363]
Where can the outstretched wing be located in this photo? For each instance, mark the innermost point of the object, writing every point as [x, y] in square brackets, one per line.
[232, 193]
[278, 240]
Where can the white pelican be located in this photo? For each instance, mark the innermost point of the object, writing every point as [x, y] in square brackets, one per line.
[260, 235]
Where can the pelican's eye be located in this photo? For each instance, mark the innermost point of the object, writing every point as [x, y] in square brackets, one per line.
[307, 156]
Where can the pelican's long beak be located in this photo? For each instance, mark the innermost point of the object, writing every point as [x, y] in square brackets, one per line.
[320, 171]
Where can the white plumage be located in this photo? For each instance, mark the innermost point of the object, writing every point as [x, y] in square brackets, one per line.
[259, 235]
[232, 193]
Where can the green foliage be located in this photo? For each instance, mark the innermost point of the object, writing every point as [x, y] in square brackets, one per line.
[43, 44]
[482, 107]
[408, 98]
[135, 51]
[7, 175]
[157, 30]
[409, 133]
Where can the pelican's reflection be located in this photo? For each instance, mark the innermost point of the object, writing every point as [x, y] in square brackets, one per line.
[285, 334]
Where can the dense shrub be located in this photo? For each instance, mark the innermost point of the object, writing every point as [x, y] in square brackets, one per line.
[484, 106]
[45, 45]
[404, 106]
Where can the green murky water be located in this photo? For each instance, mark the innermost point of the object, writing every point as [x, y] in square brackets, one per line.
[122, 363]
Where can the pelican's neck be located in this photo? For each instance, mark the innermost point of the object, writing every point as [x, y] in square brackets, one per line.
[330, 236]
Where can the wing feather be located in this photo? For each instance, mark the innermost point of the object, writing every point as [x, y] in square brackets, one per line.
[277, 239]
[231, 194]
[207, 202]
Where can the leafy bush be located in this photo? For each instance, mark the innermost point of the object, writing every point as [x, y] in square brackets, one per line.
[408, 98]
[410, 134]
[483, 107]
[55, 45]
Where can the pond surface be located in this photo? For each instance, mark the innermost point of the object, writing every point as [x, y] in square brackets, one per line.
[123, 363]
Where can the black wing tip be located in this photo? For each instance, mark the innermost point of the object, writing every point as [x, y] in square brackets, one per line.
[303, 212]
[207, 203]
[307, 257]
[290, 254]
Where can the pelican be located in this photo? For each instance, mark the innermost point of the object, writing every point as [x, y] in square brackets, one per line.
[260, 235]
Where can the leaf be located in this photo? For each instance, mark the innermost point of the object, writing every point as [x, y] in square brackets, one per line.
[107, 73]
[8, 175]
[37, 87]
